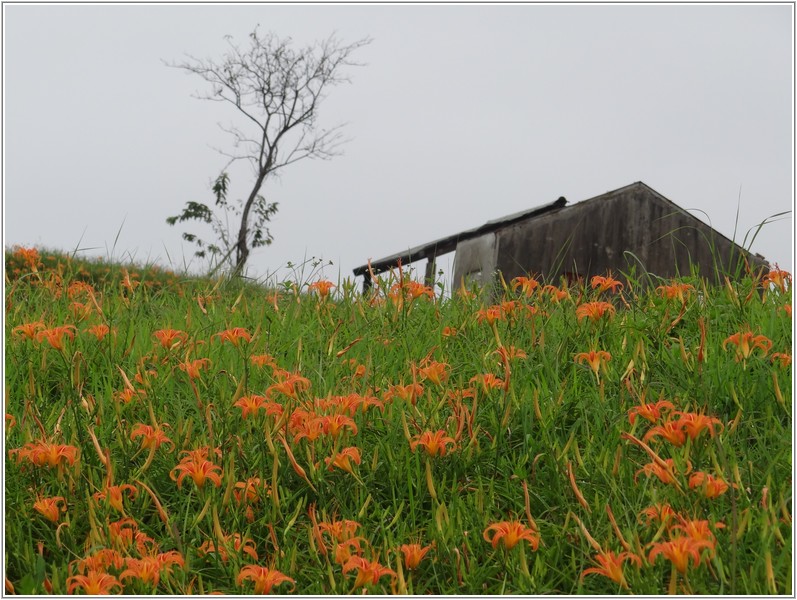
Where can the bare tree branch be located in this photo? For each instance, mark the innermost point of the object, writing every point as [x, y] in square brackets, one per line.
[278, 90]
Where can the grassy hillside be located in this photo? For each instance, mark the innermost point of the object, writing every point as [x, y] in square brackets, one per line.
[188, 436]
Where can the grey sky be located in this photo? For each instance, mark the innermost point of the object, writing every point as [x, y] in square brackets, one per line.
[463, 114]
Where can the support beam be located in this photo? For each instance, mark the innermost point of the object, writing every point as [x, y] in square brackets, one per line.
[431, 268]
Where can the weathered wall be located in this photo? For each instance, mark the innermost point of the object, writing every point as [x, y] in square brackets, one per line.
[475, 260]
[591, 238]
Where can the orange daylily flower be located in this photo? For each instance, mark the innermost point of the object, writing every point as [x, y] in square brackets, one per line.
[235, 335]
[395, 294]
[194, 367]
[128, 394]
[354, 402]
[200, 454]
[273, 409]
[153, 438]
[746, 343]
[510, 533]
[322, 288]
[129, 280]
[782, 358]
[434, 443]
[490, 314]
[508, 353]
[694, 423]
[335, 424]
[263, 360]
[675, 290]
[344, 458]
[508, 307]
[341, 530]
[55, 335]
[250, 404]
[45, 454]
[669, 430]
[115, 494]
[678, 551]
[264, 578]
[411, 290]
[605, 283]
[28, 330]
[346, 549]
[289, 384]
[249, 491]
[29, 256]
[778, 278]
[144, 378]
[611, 565]
[80, 288]
[556, 294]
[50, 508]
[409, 392]
[357, 368]
[169, 338]
[527, 285]
[413, 554]
[698, 530]
[299, 417]
[199, 471]
[121, 533]
[658, 512]
[711, 486]
[54, 283]
[368, 572]
[415, 290]
[124, 532]
[99, 331]
[11, 421]
[310, 428]
[98, 561]
[449, 331]
[594, 358]
[488, 381]
[150, 568]
[94, 583]
[531, 311]
[665, 474]
[594, 311]
[436, 372]
[235, 541]
[651, 412]
[80, 311]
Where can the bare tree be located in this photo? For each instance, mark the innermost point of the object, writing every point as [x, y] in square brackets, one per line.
[277, 89]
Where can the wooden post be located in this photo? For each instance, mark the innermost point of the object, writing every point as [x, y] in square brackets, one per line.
[430, 271]
[366, 282]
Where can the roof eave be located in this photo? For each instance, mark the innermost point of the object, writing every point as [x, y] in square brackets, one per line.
[449, 243]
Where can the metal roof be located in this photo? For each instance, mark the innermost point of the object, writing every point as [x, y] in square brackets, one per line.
[449, 243]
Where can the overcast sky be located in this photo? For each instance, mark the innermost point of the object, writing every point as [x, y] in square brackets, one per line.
[462, 114]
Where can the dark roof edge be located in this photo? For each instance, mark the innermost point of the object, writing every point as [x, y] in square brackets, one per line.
[449, 243]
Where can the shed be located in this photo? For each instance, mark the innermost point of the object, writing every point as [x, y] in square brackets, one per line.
[633, 225]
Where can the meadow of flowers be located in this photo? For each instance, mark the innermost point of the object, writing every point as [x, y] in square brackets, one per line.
[203, 436]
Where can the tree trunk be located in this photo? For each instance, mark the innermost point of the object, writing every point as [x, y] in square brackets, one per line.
[242, 246]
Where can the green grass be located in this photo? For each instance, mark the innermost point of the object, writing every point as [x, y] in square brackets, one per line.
[513, 446]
